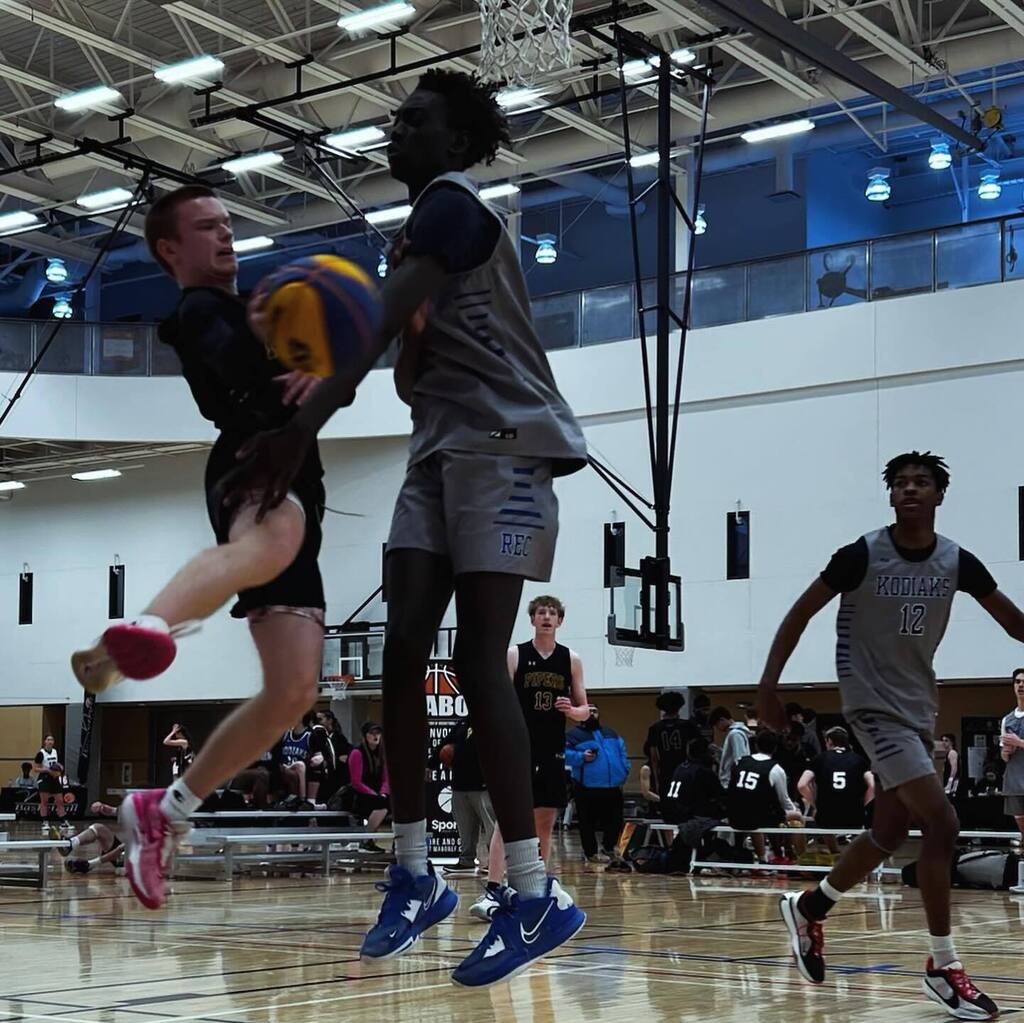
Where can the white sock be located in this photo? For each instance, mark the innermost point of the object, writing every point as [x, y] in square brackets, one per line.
[833, 893]
[411, 846]
[943, 952]
[179, 802]
[74, 842]
[154, 622]
[526, 871]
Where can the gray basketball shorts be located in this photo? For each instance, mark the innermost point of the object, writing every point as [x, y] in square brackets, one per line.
[898, 753]
[485, 513]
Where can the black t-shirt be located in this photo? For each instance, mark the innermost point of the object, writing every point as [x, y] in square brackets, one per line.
[539, 682]
[848, 566]
[839, 780]
[694, 791]
[452, 227]
[666, 747]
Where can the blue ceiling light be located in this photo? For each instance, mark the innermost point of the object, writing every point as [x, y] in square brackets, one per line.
[940, 157]
[547, 253]
[62, 308]
[990, 187]
[56, 271]
[700, 225]
[878, 189]
[382, 266]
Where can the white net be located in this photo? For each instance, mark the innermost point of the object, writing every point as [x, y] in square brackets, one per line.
[624, 656]
[522, 40]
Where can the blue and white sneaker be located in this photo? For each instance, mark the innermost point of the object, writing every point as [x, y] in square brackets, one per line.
[521, 931]
[411, 905]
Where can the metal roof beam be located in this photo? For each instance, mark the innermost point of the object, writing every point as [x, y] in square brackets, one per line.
[1012, 13]
[861, 25]
[769, 24]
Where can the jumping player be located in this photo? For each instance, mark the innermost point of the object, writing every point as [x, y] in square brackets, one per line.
[477, 513]
[898, 585]
[270, 562]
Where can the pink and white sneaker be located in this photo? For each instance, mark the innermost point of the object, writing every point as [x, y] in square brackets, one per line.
[141, 648]
[150, 839]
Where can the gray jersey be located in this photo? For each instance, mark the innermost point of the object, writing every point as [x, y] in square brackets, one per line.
[485, 384]
[1013, 778]
[889, 628]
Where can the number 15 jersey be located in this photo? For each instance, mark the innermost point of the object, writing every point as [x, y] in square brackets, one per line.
[891, 619]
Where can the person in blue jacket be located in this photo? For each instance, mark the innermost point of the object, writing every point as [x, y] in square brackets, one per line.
[596, 755]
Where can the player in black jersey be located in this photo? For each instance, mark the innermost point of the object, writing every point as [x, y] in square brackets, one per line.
[269, 561]
[838, 784]
[667, 739]
[548, 680]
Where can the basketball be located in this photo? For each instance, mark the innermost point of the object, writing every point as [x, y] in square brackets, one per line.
[447, 755]
[322, 312]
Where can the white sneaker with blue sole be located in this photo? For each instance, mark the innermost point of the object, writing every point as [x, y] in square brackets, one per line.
[411, 906]
[521, 931]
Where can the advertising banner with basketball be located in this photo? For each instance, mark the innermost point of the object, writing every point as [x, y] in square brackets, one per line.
[446, 707]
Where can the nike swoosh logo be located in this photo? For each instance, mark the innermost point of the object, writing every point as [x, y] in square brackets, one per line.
[531, 936]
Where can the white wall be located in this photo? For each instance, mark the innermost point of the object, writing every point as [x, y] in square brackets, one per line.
[793, 417]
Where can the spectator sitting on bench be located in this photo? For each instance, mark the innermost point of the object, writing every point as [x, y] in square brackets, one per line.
[294, 754]
[25, 779]
[341, 748]
[320, 767]
[370, 790]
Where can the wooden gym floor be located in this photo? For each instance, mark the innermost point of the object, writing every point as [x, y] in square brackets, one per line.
[655, 948]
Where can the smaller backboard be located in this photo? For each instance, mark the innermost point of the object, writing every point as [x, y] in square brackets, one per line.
[634, 604]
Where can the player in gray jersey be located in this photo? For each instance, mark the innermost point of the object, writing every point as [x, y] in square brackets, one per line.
[1011, 743]
[476, 515]
[897, 587]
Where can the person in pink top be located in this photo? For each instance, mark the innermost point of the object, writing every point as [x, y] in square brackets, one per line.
[370, 791]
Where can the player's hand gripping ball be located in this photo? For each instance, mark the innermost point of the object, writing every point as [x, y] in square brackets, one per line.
[320, 314]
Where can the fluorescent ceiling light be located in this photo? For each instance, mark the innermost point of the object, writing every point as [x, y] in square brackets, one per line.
[389, 215]
[778, 131]
[354, 140]
[87, 98]
[644, 160]
[499, 191]
[638, 68]
[373, 17]
[11, 485]
[683, 56]
[18, 220]
[509, 98]
[96, 474]
[990, 188]
[108, 197]
[195, 67]
[260, 241]
[254, 161]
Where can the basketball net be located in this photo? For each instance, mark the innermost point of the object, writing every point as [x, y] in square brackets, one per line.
[522, 40]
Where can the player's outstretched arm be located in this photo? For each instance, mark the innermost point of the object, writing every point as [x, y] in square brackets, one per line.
[1006, 613]
[808, 604]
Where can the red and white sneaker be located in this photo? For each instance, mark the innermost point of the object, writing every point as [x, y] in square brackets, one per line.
[150, 839]
[141, 648]
[806, 940]
[951, 988]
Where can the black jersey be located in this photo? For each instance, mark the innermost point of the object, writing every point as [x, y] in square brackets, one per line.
[539, 683]
[839, 780]
[666, 746]
[751, 799]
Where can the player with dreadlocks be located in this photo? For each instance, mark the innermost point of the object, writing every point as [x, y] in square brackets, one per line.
[897, 587]
[475, 517]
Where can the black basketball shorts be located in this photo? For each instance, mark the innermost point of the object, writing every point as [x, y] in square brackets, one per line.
[549, 781]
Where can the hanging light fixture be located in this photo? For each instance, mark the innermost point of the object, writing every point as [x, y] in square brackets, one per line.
[878, 189]
[940, 157]
[990, 187]
[382, 266]
[62, 308]
[56, 271]
[547, 253]
[700, 225]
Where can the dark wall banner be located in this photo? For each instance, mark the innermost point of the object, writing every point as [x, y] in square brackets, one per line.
[85, 743]
[446, 707]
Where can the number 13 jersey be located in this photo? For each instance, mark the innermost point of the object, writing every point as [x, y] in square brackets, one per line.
[539, 682]
[892, 617]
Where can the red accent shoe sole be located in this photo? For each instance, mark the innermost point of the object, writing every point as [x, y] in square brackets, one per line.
[139, 653]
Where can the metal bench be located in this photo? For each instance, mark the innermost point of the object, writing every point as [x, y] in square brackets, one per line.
[27, 875]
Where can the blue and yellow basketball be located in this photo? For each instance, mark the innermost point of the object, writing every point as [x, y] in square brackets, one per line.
[323, 313]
